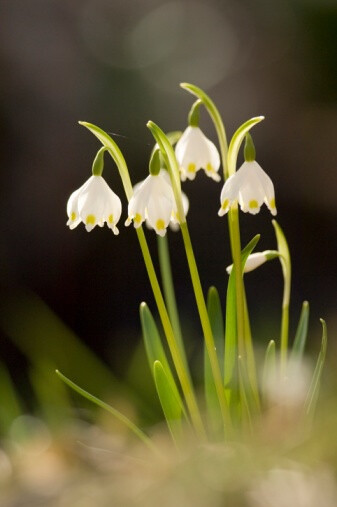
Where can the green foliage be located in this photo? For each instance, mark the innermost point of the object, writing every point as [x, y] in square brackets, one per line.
[217, 324]
[171, 405]
[269, 367]
[155, 350]
[311, 401]
[301, 334]
[10, 404]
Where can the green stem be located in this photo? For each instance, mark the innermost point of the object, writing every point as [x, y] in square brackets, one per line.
[284, 337]
[171, 339]
[234, 232]
[283, 249]
[184, 379]
[169, 293]
[172, 166]
[206, 326]
[251, 365]
[285, 318]
[122, 418]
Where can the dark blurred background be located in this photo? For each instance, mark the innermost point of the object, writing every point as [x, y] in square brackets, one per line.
[118, 64]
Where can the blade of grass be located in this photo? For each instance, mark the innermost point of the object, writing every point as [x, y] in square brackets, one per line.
[52, 395]
[246, 412]
[121, 417]
[269, 368]
[10, 404]
[217, 324]
[155, 350]
[301, 333]
[231, 345]
[311, 401]
[170, 403]
[285, 261]
[169, 293]
[41, 335]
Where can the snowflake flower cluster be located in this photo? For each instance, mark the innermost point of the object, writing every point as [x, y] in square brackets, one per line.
[153, 201]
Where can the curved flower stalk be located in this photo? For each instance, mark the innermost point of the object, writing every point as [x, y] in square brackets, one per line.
[251, 187]
[94, 203]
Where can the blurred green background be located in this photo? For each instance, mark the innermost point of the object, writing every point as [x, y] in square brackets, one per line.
[118, 64]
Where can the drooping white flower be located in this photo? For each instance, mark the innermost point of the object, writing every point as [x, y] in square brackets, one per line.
[194, 151]
[253, 261]
[153, 200]
[251, 187]
[93, 204]
[174, 222]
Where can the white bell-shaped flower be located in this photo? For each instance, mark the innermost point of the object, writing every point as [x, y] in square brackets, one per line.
[174, 222]
[93, 204]
[251, 187]
[254, 261]
[153, 201]
[194, 151]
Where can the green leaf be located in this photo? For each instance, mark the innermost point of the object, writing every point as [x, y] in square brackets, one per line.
[171, 405]
[121, 417]
[236, 142]
[269, 367]
[217, 324]
[43, 338]
[52, 395]
[10, 404]
[230, 332]
[231, 346]
[283, 249]
[311, 401]
[154, 348]
[246, 410]
[301, 333]
[245, 253]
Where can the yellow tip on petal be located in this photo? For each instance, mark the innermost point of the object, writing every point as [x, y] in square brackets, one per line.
[191, 168]
[137, 218]
[253, 204]
[160, 224]
[272, 204]
[224, 205]
[209, 168]
[73, 216]
[110, 219]
[91, 220]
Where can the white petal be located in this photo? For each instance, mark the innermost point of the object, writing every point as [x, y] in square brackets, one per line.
[113, 208]
[194, 151]
[251, 194]
[91, 201]
[253, 261]
[268, 187]
[137, 204]
[230, 191]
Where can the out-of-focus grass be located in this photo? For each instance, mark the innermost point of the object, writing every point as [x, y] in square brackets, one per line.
[49, 344]
[56, 458]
